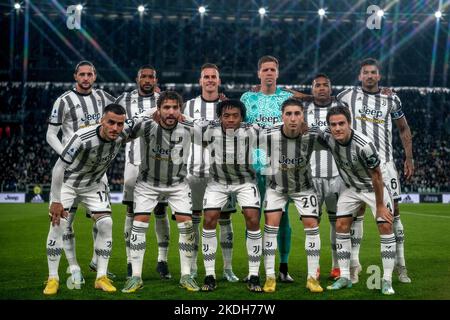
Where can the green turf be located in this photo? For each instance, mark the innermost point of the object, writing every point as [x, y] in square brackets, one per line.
[23, 232]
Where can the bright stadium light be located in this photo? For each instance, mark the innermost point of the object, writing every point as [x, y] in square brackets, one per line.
[201, 9]
[380, 13]
[141, 8]
[17, 6]
[79, 7]
[321, 12]
[438, 14]
[262, 11]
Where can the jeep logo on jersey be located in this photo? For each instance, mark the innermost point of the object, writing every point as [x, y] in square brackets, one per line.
[370, 112]
[91, 117]
[106, 159]
[272, 120]
[296, 161]
[161, 151]
[319, 123]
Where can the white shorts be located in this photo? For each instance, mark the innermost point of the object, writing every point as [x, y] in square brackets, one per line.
[350, 201]
[328, 191]
[390, 179]
[217, 195]
[146, 197]
[198, 184]
[305, 201]
[95, 198]
[130, 176]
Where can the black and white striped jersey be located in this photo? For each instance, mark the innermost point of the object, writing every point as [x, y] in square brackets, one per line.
[199, 109]
[88, 155]
[322, 162]
[164, 153]
[230, 153]
[289, 158]
[135, 105]
[73, 110]
[354, 159]
[372, 115]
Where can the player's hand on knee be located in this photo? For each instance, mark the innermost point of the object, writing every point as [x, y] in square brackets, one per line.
[57, 211]
[384, 213]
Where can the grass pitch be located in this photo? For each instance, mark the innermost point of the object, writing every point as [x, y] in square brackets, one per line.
[23, 264]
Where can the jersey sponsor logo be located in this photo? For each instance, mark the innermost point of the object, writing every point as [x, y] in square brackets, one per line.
[370, 115]
[296, 161]
[348, 164]
[91, 117]
[272, 120]
[106, 159]
[319, 123]
[158, 149]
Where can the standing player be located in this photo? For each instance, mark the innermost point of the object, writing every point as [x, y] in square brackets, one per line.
[327, 182]
[136, 103]
[230, 145]
[263, 108]
[161, 174]
[78, 177]
[289, 148]
[372, 112]
[75, 109]
[203, 107]
[359, 166]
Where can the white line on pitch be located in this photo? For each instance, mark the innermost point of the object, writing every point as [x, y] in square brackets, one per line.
[424, 215]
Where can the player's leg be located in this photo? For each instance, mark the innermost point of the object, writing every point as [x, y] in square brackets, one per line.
[145, 200]
[274, 204]
[333, 188]
[130, 175]
[356, 232]
[181, 205]
[69, 244]
[387, 241]
[347, 207]
[54, 244]
[307, 206]
[93, 263]
[199, 185]
[284, 246]
[215, 197]
[248, 198]
[96, 200]
[226, 239]
[390, 177]
[162, 230]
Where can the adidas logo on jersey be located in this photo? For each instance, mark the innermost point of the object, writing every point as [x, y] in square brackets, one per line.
[197, 111]
[78, 106]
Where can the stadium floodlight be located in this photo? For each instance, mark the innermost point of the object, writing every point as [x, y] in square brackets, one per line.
[201, 9]
[438, 14]
[141, 8]
[79, 7]
[262, 11]
[321, 12]
[380, 13]
[17, 6]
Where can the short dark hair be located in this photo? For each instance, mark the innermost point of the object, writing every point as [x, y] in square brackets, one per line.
[339, 110]
[169, 95]
[114, 108]
[265, 59]
[291, 102]
[369, 62]
[84, 63]
[146, 66]
[321, 75]
[232, 103]
[209, 66]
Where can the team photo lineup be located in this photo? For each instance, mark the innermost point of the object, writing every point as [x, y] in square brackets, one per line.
[224, 150]
[259, 152]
